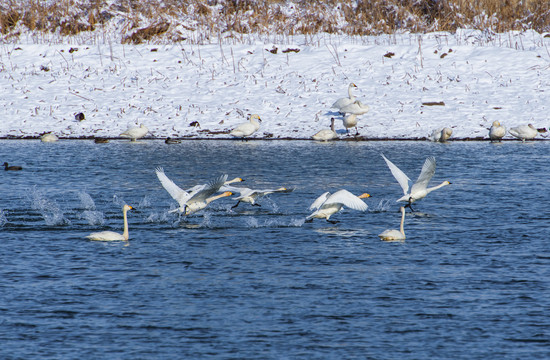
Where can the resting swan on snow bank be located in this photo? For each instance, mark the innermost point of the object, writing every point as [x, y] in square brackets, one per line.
[497, 131]
[340, 103]
[326, 134]
[248, 128]
[524, 132]
[135, 133]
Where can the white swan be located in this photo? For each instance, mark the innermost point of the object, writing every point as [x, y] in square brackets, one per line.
[204, 186]
[524, 132]
[326, 134]
[326, 205]
[355, 108]
[248, 128]
[340, 103]
[392, 234]
[49, 137]
[441, 135]
[111, 235]
[420, 189]
[195, 200]
[249, 195]
[350, 121]
[135, 133]
[497, 131]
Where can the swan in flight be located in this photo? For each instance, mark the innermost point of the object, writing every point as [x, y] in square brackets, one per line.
[524, 132]
[329, 204]
[249, 195]
[12, 168]
[392, 234]
[497, 131]
[135, 133]
[248, 128]
[355, 108]
[111, 235]
[49, 137]
[204, 186]
[349, 122]
[198, 198]
[441, 135]
[326, 134]
[420, 189]
[340, 103]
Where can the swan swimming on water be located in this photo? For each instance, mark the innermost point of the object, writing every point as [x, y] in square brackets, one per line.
[248, 128]
[329, 204]
[524, 132]
[497, 131]
[135, 133]
[420, 189]
[392, 234]
[250, 196]
[111, 235]
[326, 134]
[340, 103]
[198, 198]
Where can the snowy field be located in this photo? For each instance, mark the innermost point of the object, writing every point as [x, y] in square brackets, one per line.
[412, 83]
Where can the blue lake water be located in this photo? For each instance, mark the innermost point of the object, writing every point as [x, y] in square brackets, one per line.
[471, 281]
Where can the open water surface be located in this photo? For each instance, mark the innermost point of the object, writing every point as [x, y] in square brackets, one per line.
[471, 281]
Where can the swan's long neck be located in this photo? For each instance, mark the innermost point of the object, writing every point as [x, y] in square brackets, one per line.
[350, 93]
[212, 198]
[401, 228]
[444, 183]
[125, 234]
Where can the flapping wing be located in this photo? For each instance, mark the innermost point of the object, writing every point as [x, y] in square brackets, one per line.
[399, 175]
[319, 201]
[426, 174]
[175, 191]
[210, 189]
[347, 199]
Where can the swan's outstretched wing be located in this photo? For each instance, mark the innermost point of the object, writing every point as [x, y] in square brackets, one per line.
[175, 191]
[399, 175]
[235, 189]
[426, 174]
[319, 201]
[210, 189]
[347, 199]
[271, 191]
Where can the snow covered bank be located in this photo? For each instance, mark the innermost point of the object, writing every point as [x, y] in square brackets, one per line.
[412, 83]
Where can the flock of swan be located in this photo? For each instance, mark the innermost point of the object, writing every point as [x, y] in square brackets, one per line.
[200, 196]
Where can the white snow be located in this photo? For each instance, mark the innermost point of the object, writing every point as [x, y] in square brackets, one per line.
[479, 77]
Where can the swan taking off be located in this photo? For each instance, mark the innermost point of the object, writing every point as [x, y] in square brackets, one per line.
[326, 134]
[441, 135]
[248, 128]
[497, 131]
[198, 198]
[12, 168]
[355, 108]
[327, 204]
[111, 235]
[135, 133]
[340, 103]
[392, 234]
[250, 196]
[420, 189]
[524, 132]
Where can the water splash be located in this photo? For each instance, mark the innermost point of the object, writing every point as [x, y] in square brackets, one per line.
[383, 205]
[93, 217]
[3, 218]
[50, 211]
[86, 201]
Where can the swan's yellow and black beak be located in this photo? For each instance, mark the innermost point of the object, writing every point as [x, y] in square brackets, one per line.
[364, 196]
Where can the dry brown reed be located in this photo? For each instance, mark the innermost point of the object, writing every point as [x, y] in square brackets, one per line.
[149, 20]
